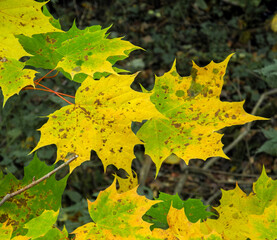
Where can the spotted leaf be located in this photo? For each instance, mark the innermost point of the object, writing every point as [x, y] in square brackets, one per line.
[100, 120]
[195, 112]
[33, 202]
[117, 216]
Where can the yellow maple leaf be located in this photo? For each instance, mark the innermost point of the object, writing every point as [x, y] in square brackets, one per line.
[24, 17]
[100, 120]
[195, 112]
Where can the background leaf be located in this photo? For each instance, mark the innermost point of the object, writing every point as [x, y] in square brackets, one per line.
[34, 201]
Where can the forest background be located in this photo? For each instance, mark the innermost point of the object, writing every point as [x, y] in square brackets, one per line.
[201, 30]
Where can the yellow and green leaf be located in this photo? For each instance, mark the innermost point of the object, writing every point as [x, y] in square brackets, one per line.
[195, 112]
[117, 216]
[100, 120]
[30, 204]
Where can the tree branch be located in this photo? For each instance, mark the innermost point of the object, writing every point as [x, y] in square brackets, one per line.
[10, 195]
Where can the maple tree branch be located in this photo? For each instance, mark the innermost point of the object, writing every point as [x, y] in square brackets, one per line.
[50, 90]
[10, 195]
[245, 132]
[45, 90]
[37, 82]
[45, 76]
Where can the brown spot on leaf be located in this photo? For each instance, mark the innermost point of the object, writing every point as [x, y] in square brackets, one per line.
[217, 112]
[177, 125]
[97, 102]
[234, 117]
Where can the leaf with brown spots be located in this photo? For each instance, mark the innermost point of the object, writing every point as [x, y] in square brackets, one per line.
[23, 17]
[48, 49]
[252, 216]
[100, 120]
[13, 77]
[18, 17]
[195, 112]
[33, 202]
[117, 216]
[92, 52]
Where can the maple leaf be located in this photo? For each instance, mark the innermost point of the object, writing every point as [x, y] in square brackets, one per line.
[100, 120]
[13, 77]
[117, 216]
[18, 17]
[237, 211]
[23, 17]
[195, 112]
[88, 53]
[31, 203]
[77, 53]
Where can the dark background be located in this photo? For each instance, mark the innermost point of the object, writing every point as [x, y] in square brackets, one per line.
[201, 31]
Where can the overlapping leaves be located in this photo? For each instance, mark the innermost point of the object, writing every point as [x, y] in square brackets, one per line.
[118, 216]
[194, 111]
[77, 53]
[18, 17]
[32, 203]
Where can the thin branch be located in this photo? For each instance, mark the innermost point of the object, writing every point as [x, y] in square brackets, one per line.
[54, 92]
[10, 195]
[38, 80]
[45, 90]
[244, 133]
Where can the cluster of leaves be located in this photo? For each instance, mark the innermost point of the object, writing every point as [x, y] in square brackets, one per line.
[182, 113]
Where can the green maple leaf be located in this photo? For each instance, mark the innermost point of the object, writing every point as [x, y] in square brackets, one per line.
[100, 120]
[194, 111]
[77, 53]
[157, 214]
[33, 202]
